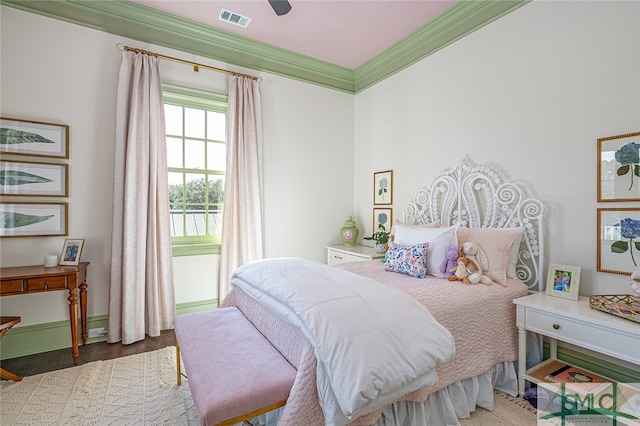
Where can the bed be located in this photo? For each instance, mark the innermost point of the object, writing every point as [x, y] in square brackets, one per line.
[472, 203]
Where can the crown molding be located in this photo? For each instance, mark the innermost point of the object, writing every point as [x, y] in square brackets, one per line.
[138, 22]
[460, 20]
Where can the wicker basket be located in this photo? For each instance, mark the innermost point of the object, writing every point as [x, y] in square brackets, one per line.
[621, 305]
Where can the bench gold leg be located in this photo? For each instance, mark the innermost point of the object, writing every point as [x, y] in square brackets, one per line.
[179, 375]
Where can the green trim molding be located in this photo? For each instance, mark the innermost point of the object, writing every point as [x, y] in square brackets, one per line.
[580, 359]
[35, 339]
[138, 22]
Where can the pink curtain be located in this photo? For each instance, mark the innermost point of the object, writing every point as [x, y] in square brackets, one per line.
[141, 293]
[242, 213]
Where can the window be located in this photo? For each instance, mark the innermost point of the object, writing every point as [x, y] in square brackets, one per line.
[196, 158]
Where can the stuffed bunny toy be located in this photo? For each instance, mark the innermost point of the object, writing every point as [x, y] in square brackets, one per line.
[473, 252]
[464, 269]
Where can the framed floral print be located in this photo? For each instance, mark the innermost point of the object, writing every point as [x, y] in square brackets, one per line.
[619, 168]
[383, 187]
[382, 216]
[618, 240]
[563, 281]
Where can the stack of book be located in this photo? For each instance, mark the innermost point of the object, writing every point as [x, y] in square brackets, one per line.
[578, 380]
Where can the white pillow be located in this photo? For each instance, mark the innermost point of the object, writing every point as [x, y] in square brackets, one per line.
[438, 239]
[397, 222]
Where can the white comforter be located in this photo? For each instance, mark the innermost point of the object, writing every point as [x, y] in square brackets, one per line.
[373, 343]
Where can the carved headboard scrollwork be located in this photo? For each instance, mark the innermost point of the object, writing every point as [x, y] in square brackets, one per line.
[478, 197]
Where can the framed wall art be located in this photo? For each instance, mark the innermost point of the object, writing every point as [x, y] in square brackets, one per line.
[382, 216]
[34, 179]
[618, 240]
[383, 187]
[71, 251]
[33, 219]
[24, 137]
[563, 281]
[619, 168]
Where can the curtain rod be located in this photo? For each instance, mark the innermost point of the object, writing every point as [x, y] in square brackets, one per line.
[196, 66]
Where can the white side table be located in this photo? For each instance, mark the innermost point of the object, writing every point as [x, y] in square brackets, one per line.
[340, 254]
[572, 322]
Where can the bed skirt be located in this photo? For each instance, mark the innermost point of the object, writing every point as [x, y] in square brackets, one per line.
[444, 407]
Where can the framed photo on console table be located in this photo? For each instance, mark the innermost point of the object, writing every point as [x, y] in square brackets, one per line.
[563, 281]
[71, 251]
[619, 168]
[618, 240]
[24, 137]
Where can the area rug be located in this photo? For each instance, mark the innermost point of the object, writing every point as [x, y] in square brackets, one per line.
[138, 389]
[507, 411]
[141, 389]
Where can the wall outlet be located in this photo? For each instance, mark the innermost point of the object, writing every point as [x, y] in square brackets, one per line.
[97, 332]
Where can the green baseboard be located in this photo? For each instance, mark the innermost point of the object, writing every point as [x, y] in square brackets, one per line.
[580, 359]
[38, 338]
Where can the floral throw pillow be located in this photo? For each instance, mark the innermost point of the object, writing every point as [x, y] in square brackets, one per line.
[407, 259]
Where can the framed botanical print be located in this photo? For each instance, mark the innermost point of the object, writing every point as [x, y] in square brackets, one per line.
[26, 137]
[33, 219]
[30, 178]
[619, 168]
[383, 187]
[382, 216]
[618, 240]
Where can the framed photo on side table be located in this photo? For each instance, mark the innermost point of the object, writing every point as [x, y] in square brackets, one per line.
[71, 251]
[383, 187]
[563, 281]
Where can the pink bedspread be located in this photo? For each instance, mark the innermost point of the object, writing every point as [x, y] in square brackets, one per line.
[480, 317]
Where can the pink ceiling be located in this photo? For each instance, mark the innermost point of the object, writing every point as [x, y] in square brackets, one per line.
[346, 32]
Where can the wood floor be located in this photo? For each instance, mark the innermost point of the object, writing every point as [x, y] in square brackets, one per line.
[55, 360]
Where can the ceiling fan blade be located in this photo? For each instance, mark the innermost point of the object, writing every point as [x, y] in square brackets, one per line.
[281, 7]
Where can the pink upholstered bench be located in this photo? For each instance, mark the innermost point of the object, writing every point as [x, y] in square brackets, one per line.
[234, 372]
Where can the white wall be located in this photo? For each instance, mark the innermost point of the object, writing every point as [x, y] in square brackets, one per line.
[58, 72]
[530, 93]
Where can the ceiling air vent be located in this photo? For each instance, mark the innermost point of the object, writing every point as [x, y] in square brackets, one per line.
[234, 18]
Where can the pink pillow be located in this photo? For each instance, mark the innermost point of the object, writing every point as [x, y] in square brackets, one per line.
[407, 259]
[497, 244]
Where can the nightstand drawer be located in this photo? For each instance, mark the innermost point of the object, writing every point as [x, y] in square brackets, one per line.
[335, 257]
[586, 334]
[11, 287]
[46, 283]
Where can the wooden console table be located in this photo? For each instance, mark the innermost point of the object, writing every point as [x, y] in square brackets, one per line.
[37, 279]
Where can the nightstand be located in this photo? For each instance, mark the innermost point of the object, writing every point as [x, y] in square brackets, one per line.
[340, 254]
[572, 322]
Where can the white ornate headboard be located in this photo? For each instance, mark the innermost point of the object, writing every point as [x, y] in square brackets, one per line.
[478, 197]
